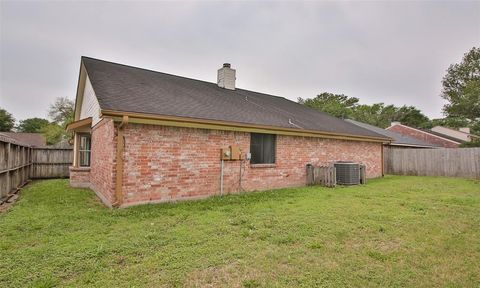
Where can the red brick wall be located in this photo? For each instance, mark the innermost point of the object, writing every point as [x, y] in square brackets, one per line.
[429, 138]
[102, 175]
[80, 177]
[168, 163]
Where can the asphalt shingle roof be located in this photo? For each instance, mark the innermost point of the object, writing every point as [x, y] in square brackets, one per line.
[397, 137]
[124, 88]
[31, 139]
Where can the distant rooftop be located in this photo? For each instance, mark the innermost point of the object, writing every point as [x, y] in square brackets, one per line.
[30, 139]
[399, 139]
[444, 136]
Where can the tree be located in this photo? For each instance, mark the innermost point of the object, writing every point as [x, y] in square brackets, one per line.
[7, 122]
[461, 87]
[452, 122]
[53, 133]
[381, 116]
[32, 125]
[370, 114]
[61, 111]
[411, 116]
[337, 105]
[377, 114]
[475, 143]
[387, 116]
[475, 127]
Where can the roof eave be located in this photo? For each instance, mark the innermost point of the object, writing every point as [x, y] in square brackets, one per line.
[413, 145]
[166, 120]
[82, 76]
[87, 122]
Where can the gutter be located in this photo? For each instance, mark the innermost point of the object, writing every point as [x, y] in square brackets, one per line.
[119, 162]
[153, 119]
[414, 146]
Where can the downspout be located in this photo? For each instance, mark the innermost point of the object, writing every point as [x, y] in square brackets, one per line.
[383, 160]
[221, 178]
[119, 167]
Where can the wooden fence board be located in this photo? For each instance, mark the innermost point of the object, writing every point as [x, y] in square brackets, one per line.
[321, 175]
[51, 163]
[450, 162]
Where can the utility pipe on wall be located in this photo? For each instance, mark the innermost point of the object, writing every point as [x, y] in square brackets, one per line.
[221, 178]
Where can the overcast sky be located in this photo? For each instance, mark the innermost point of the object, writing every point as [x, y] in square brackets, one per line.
[391, 52]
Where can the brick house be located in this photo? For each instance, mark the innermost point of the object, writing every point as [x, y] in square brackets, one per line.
[143, 137]
[431, 137]
[399, 141]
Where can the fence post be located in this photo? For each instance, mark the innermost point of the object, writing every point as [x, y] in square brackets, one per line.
[309, 174]
[8, 186]
[363, 174]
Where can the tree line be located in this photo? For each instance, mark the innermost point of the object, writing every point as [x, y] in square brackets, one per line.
[60, 114]
[460, 88]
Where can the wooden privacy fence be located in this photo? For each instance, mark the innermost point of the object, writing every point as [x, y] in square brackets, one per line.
[321, 175]
[452, 162]
[51, 162]
[19, 163]
[15, 162]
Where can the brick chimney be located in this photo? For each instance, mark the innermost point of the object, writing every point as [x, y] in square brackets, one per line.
[226, 77]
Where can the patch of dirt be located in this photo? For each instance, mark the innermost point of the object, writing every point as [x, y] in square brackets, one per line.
[227, 275]
[11, 199]
[389, 246]
[380, 245]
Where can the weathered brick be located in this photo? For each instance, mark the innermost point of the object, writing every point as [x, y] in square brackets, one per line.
[80, 177]
[103, 157]
[169, 163]
[187, 162]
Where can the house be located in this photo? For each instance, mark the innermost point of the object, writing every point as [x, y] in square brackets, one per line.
[428, 136]
[462, 134]
[142, 136]
[30, 139]
[399, 140]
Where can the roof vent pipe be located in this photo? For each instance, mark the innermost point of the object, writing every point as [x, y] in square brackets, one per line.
[226, 77]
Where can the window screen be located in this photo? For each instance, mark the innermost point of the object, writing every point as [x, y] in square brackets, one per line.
[262, 148]
[84, 150]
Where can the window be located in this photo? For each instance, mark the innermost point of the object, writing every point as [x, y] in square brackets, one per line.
[84, 150]
[262, 147]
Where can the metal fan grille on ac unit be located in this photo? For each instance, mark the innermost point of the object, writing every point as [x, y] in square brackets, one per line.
[348, 173]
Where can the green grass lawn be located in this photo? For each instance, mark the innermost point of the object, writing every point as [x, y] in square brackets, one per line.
[395, 231]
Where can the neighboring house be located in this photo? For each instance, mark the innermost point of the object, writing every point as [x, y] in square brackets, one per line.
[462, 134]
[399, 140]
[143, 136]
[434, 138]
[30, 139]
